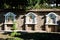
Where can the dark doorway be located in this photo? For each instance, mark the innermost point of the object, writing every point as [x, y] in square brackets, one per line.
[32, 27]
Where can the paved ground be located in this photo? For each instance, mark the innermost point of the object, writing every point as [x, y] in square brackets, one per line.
[4, 36]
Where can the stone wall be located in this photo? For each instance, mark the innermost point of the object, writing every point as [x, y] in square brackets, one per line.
[20, 20]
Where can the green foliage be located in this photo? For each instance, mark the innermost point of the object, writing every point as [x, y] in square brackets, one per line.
[25, 4]
[10, 39]
[37, 4]
[14, 26]
[14, 33]
[6, 6]
[16, 38]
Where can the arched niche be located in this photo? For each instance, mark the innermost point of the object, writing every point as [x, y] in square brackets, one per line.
[9, 17]
[51, 18]
[31, 18]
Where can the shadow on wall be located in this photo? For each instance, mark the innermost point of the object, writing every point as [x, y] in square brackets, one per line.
[43, 18]
[43, 26]
[58, 22]
[58, 25]
[2, 20]
[23, 26]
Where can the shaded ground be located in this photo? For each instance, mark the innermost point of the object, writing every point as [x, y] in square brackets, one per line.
[40, 36]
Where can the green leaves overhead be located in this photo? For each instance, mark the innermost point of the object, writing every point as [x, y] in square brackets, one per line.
[25, 4]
